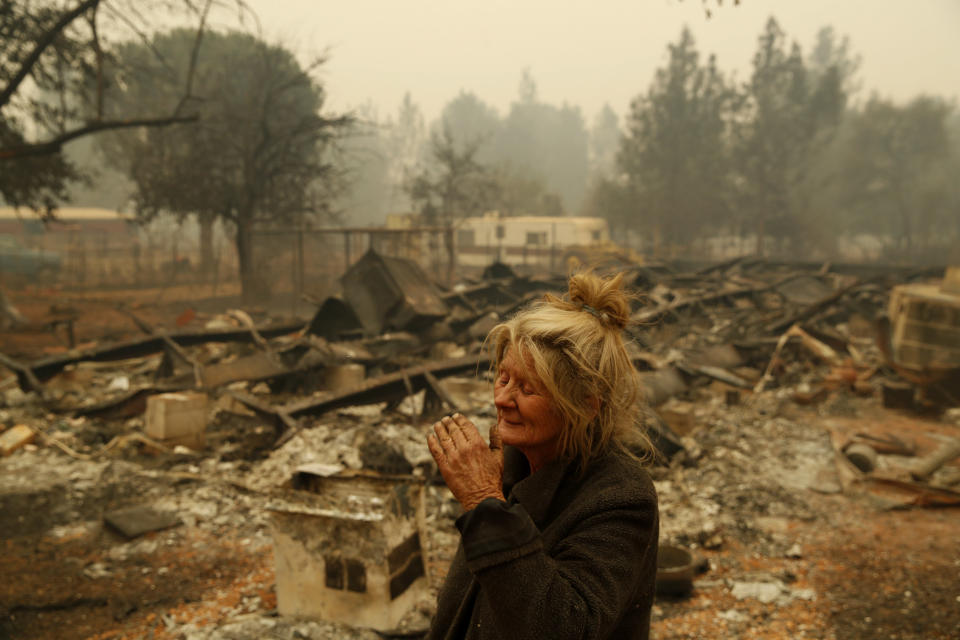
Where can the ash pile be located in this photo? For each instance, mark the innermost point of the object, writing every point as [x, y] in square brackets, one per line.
[298, 446]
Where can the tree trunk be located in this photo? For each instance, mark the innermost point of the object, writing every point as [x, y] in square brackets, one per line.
[206, 245]
[451, 255]
[906, 232]
[761, 232]
[245, 258]
[906, 226]
[10, 316]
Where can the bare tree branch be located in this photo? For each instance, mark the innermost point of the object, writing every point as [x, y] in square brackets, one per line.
[194, 54]
[142, 35]
[98, 51]
[43, 42]
[54, 145]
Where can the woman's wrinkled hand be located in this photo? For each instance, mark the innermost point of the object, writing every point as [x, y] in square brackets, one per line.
[472, 469]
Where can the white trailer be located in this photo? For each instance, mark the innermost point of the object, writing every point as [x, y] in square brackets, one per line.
[532, 241]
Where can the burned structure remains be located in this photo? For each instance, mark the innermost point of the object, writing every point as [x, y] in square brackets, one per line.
[269, 475]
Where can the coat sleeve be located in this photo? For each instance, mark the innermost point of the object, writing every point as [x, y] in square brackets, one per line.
[580, 590]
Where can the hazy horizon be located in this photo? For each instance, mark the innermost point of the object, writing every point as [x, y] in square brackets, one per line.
[589, 54]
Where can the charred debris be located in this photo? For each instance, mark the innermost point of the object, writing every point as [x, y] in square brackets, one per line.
[324, 419]
[738, 329]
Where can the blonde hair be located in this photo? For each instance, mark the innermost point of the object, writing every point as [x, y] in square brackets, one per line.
[576, 348]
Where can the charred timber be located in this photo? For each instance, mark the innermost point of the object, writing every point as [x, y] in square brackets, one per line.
[47, 368]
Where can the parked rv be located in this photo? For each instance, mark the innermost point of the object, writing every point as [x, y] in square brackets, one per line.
[526, 240]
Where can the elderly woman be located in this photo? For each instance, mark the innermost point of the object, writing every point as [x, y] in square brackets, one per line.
[560, 523]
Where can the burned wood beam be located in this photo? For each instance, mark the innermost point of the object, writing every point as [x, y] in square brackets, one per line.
[283, 423]
[253, 368]
[720, 374]
[385, 388]
[809, 311]
[177, 349]
[244, 318]
[129, 405]
[888, 445]
[924, 495]
[482, 295]
[26, 377]
[391, 386]
[47, 368]
[657, 313]
[441, 392]
[721, 266]
[925, 467]
[137, 320]
[173, 349]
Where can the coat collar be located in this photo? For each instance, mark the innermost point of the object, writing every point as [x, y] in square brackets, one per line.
[534, 491]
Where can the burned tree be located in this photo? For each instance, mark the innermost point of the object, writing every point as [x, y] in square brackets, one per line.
[261, 152]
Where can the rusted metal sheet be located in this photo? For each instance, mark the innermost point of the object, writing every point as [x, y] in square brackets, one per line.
[391, 294]
[333, 319]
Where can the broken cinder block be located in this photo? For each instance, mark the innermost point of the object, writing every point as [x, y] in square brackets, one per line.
[15, 438]
[679, 416]
[344, 376]
[352, 555]
[177, 418]
[897, 395]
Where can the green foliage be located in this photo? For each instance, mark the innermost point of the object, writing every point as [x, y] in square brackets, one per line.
[455, 185]
[518, 192]
[604, 142]
[38, 182]
[53, 86]
[469, 121]
[61, 67]
[536, 143]
[614, 200]
[519, 165]
[366, 158]
[378, 156]
[258, 146]
[548, 142]
[791, 114]
[900, 172]
[674, 153]
[703, 157]
[261, 152]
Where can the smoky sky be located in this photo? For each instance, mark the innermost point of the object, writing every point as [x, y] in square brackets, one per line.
[589, 53]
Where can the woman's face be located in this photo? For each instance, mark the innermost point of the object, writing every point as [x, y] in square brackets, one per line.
[526, 416]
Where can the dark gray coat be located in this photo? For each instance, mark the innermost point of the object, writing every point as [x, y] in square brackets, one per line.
[569, 555]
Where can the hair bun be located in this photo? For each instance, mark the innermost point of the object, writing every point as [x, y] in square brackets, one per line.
[601, 297]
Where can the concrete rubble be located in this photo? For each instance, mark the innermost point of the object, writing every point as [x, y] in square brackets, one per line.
[758, 375]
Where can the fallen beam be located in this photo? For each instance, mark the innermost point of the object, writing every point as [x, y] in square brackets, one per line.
[47, 368]
[810, 310]
[925, 467]
[386, 388]
[655, 314]
[131, 404]
[26, 376]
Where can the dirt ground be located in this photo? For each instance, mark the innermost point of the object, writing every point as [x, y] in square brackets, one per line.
[792, 552]
[98, 316]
